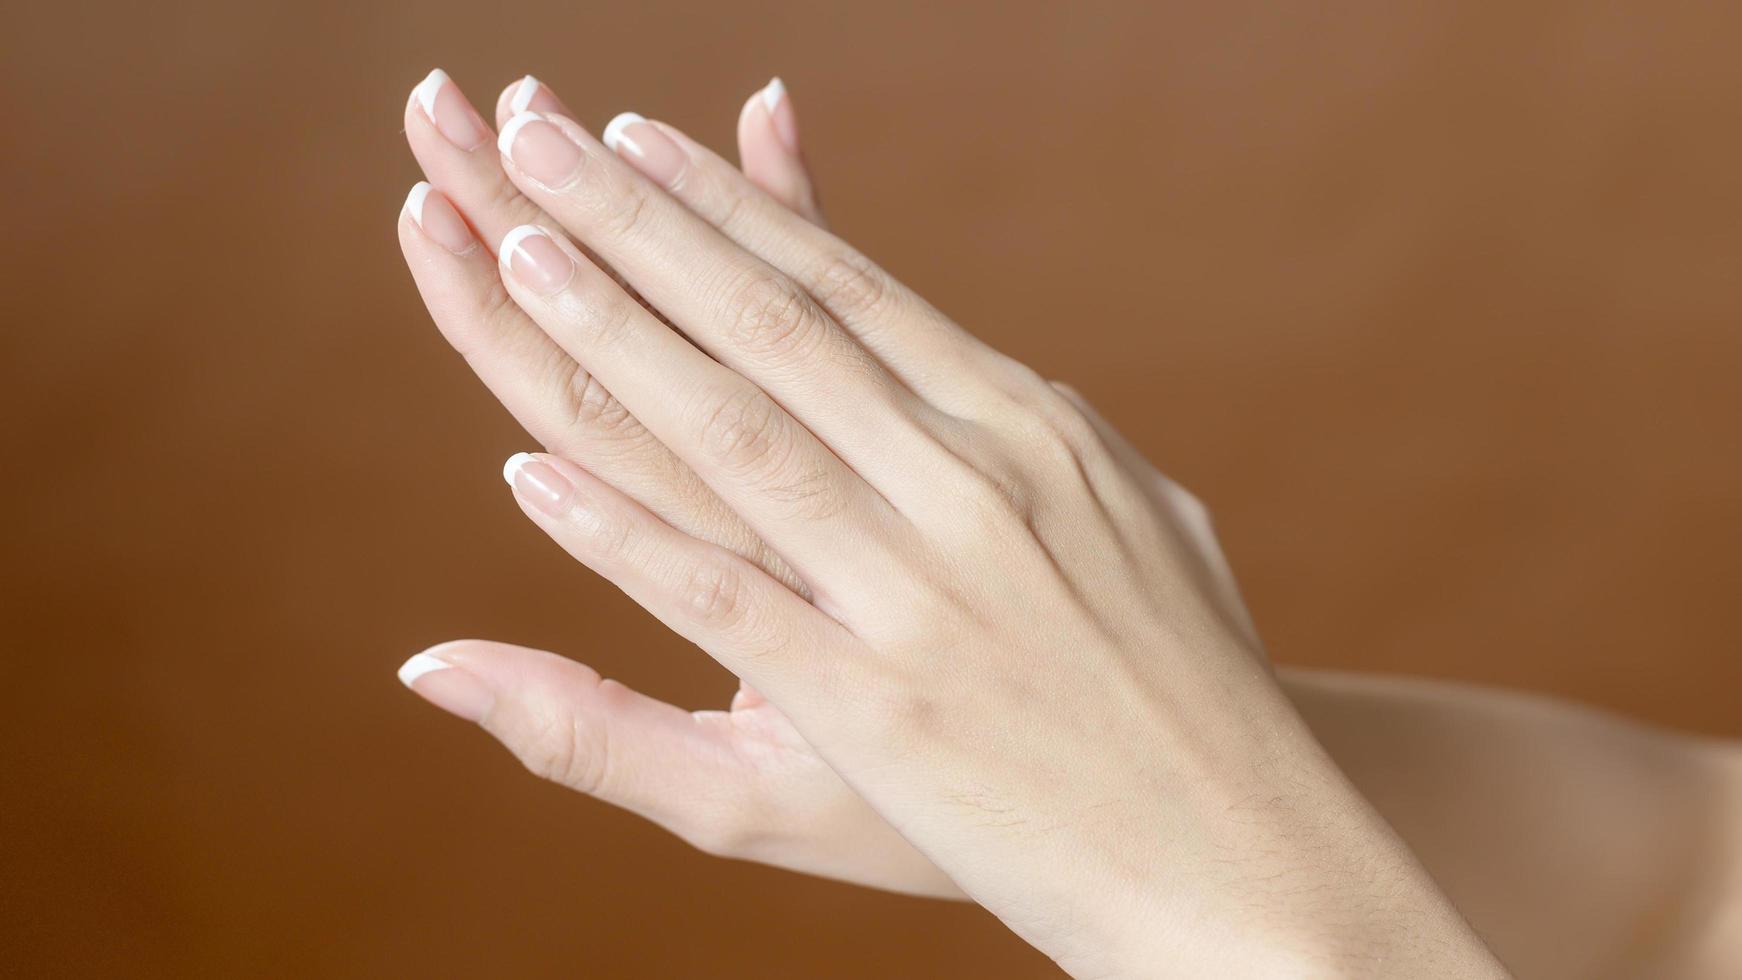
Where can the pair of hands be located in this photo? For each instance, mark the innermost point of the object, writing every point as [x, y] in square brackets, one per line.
[987, 649]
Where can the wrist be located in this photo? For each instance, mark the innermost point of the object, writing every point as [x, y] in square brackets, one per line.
[1313, 922]
[1284, 870]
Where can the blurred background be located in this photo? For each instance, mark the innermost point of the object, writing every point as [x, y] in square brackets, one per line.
[1437, 304]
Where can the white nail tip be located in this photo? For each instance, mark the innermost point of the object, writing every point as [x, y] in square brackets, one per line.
[515, 462]
[512, 240]
[419, 665]
[614, 132]
[773, 93]
[523, 95]
[427, 90]
[414, 201]
[505, 142]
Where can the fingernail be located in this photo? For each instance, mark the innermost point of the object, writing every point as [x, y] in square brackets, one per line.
[532, 95]
[522, 98]
[780, 113]
[448, 109]
[431, 211]
[539, 483]
[541, 150]
[644, 146]
[449, 688]
[537, 262]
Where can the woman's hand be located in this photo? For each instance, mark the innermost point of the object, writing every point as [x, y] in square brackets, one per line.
[999, 640]
[740, 783]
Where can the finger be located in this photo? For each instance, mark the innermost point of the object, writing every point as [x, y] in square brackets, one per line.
[746, 314]
[469, 174]
[567, 724]
[789, 488]
[716, 780]
[558, 402]
[751, 624]
[918, 344]
[769, 154]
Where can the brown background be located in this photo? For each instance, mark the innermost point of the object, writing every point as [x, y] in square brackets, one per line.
[1436, 303]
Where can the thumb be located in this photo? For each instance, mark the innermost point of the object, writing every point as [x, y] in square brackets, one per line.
[567, 724]
[769, 155]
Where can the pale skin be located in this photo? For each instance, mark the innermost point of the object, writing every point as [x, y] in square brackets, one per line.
[989, 652]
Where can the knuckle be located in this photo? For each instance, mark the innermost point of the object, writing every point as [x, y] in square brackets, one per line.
[608, 540]
[809, 493]
[1070, 393]
[603, 320]
[565, 751]
[853, 288]
[748, 438]
[771, 318]
[1066, 428]
[1025, 383]
[742, 433]
[998, 496]
[595, 410]
[494, 317]
[621, 207]
[1186, 503]
[713, 593]
[731, 209]
[1051, 432]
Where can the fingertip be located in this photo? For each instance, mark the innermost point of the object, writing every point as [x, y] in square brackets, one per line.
[442, 683]
[524, 91]
[438, 219]
[781, 116]
[419, 665]
[513, 465]
[768, 162]
[754, 133]
[527, 94]
[773, 92]
[613, 134]
[511, 129]
[424, 93]
[414, 201]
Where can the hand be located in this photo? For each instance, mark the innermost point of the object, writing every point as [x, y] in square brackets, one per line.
[1009, 651]
[740, 783]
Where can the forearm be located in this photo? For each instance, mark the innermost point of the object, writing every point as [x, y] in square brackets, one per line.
[1578, 844]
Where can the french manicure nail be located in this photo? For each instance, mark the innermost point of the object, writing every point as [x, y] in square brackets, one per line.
[452, 115]
[646, 147]
[541, 150]
[539, 483]
[780, 113]
[431, 211]
[536, 261]
[523, 95]
[419, 665]
[454, 690]
[772, 93]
